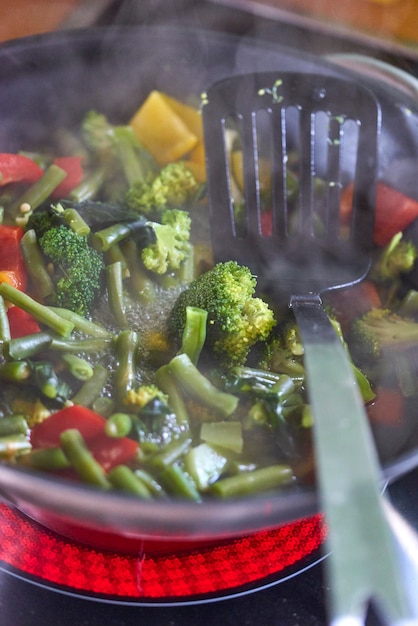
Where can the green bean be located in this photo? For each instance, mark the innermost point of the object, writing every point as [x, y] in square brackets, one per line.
[194, 333]
[89, 186]
[247, 483]
[123, 478]
[118, 425]
[150, 483]
[81, 323]
[171, 452]
[35, 264]
[186, 271]
[103, 405]
[179, 483]
[11, 444]
[47, 381]
[115, 291]
[126, 142]
[4, 321]
[82, 460]
[103, 240]
[93, 345]
[37, 193]
[45, 459]
[13, 425]
[40, 312]
[141, 284]
[266, 376]
[124, 376]
[198, 387]
[115, 254]
[15, 371]
[93, 387]
[166, 382]
[78, 367]
[74, 220]
[26, 346]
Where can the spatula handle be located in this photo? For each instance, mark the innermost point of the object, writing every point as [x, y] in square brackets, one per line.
[366, 562]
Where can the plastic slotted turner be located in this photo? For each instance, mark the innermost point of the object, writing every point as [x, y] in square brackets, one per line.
[304, 252]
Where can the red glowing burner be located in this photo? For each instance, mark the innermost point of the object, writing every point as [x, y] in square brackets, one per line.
[52, 560]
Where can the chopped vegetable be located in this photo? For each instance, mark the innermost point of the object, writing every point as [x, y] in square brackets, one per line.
[172, 187]
[21, 322]
[236, 319]
[12, 267]
[393, 213]
[171, 247]
[77, 269]
[17, 168]
[74, 174]
[130, 360]
[163, 128]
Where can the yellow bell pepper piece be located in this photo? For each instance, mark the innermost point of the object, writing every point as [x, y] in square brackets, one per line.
[197, 169]
[264, 171]
[196, 162]
[161, 129]
[190, 116]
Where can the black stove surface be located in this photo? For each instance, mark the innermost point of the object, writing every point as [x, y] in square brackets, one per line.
[298, 602]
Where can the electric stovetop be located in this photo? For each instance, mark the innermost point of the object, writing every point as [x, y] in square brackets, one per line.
[294, 596]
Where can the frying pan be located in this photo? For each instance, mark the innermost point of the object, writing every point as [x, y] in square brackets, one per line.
[49, 81]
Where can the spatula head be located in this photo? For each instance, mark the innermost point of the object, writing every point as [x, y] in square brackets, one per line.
[281, 147]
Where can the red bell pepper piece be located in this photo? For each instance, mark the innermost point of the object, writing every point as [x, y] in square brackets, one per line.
[387, 408]
[266, 219]
[108, 451]
[394, 211]
[354, 302]
[12, 266]
[47, 433]
[17, 168]
[112, 451]
[71, 165]
[21, 323]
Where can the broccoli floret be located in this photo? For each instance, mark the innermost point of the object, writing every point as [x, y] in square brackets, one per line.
[397, 258]
[42, 220]
[174, 186]
[279, 359]
[138, 399]
[285, 355]
[292, 339]
[378, 331]
[172, 246]
[77, 269]
[34, 410]
[236, 318]
[284, 352]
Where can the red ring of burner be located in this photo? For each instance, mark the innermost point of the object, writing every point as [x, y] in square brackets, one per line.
[50, 558]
